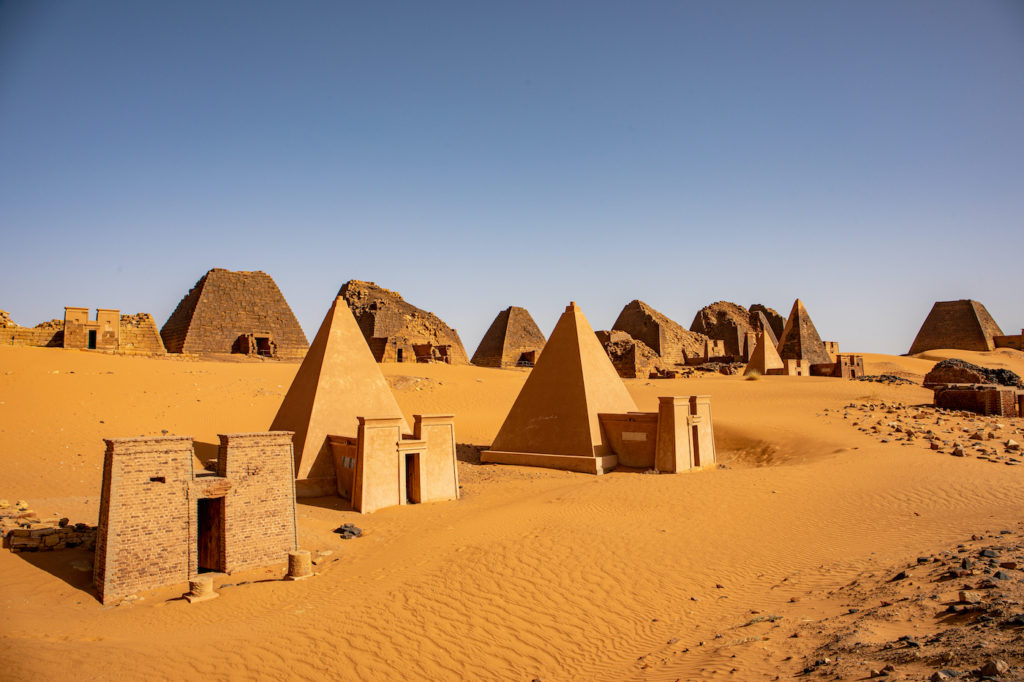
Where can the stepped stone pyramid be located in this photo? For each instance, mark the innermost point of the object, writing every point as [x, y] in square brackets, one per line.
[513, 339]
[764, 357]
[226, 310]
[554, 420]
[800, 340]
[963, 324]
[337, 382]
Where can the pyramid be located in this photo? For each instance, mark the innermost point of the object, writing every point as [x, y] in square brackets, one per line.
[764, 357]
[553, 422]
[512, 338]
[337, 382]
[760, 323]
[963, 324]
[224, 306]
[800, 340]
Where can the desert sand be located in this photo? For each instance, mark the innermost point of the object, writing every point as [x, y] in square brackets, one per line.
[533, 574]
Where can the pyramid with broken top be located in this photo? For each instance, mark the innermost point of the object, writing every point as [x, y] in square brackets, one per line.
[765, 358]
[337, 382]
[553, 422]
[800, 340]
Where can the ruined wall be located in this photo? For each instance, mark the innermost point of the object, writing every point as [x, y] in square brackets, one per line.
[139, 334]
[143, 536]
[664, 336]
[224, 306]
[392, 326]
[49, 333]
[631, 358]
[963, 324]
[988, 400]
[726, 322]
[512, 334]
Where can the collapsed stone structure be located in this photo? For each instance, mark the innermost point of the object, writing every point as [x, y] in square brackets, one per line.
[235, 312]
[512, 340]
[631, 358]
[574, 413]
[350, 435]
[670, 340]
[161, 523]
[110, 331]
[960, 385]
[775, 320]
[963, 325]
[397, 331]
[727, 322]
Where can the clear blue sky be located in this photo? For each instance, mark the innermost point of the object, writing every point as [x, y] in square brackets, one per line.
[865, 156]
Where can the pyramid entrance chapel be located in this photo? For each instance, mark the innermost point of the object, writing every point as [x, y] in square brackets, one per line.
[351, 438]
[235, 312]
[575, 413]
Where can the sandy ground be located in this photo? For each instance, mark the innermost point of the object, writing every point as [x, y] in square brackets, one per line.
[534, 574]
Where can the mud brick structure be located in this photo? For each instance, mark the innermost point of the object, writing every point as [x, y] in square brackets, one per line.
[338, 382]
[846, 366]
[987, 399]
[46, 334]
[380, 467]
[235, 312]
[776, 321]
[726, 322]
[161, 524]
[678, 437]
[631, 358]
[1015, 341]
[670, 340]
[99, 334]
[800, 340]
[512, 340]
[963, 324]
[397, 331]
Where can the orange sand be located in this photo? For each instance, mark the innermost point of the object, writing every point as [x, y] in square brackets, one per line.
[533, 574]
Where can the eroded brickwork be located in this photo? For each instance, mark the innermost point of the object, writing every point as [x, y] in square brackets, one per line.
[727, 322]
[139, 334]
[224, 307]
[1000, 401]
[664, 336]
[397, 331]
[160, 522]
[513, 339]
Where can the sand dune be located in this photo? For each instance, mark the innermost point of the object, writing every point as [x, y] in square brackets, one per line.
[533, 574]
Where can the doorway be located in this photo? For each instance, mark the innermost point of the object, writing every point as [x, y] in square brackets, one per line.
[412, 478]
[527, 359]
[695, 439]
[398, 355]
[263, 347]
[210, 535]
[92, 339]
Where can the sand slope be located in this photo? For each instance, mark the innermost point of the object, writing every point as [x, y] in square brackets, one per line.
[533, 574]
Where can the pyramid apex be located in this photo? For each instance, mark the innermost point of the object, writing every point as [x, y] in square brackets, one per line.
[571, 307]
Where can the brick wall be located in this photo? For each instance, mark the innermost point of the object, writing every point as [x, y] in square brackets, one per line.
[1000, 401]
[139, 334]
[963, 324]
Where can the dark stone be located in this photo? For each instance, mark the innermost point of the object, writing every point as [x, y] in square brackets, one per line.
[347, 531]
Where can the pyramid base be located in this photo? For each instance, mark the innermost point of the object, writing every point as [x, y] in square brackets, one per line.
[585, 465]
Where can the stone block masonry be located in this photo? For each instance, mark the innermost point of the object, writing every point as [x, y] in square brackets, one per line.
[161, 523]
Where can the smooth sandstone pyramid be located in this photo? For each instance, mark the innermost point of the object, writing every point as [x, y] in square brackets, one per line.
[764, 357]
[554, 420]
[337, 382]
[800, 340]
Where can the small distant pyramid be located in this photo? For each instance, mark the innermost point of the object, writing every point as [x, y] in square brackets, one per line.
[760, 323]
[225, 306]
[513, 339]
[800, 340]
[764, 357]
[554, 420]
[963, 325]
[337, 382]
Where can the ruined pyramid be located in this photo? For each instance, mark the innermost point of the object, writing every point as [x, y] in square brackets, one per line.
[553, 422]
[764, 358]
[337, 382]
[224, 307]
[963, 324]
[800, 340]
[513, 339]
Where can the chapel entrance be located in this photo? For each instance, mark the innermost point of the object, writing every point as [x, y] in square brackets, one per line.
[92, 339]
[412, 478]
[210, 535]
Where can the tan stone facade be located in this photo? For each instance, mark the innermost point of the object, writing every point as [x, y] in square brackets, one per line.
[512, 340]
[110, 331]
[161, 523]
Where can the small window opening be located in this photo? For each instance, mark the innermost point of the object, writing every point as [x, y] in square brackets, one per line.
[157, 479]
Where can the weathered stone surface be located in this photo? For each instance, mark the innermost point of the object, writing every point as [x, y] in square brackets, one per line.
[513, 339]
[225, 307]
[139, 334]
[800, 340]
[724, 321]
[963, 324]
[670, 340]
[955, 371]
[775, 319]
[632, 358]
[397, 331]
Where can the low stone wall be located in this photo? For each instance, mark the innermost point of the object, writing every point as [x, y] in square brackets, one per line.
[23, 531]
